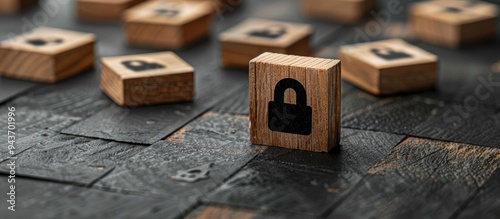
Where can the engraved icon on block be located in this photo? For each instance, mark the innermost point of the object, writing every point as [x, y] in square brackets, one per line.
[388, 67]
[104, 10]
[290, 118]
[46, 55]
[453, 22]
[347, 11]
[295, 102]
[168, 23]
[147, 79]
[247, 40]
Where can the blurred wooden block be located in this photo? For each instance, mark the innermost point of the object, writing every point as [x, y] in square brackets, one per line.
[104, 10]
[388, 67]
[253, 37]
[453, 23]
[168, 24]
[46, 55]
[147, 79]
[295, 102]
[14, 6]
[347, 11]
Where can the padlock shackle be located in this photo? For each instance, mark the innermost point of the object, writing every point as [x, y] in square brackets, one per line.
[283, 85]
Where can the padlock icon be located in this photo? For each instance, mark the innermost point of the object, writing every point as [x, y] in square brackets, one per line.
[389, 54]
[290, 118]
[139, 65]
[272, 32]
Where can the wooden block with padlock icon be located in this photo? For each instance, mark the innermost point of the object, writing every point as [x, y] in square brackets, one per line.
[388, 67]
[147, 79]
[295, 102]
[168, 23]
[104, 10]
[453, 22]
[252, 37]
[347, 11]
[46, 55]
[14, 6]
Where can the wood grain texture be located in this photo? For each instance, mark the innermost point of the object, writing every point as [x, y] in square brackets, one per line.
[485, 203]
[346, 11]
[320, 79]
[304, 182]
[421, 178]
[104, 10]
[70, 159]
[9, 88]
[218, 139]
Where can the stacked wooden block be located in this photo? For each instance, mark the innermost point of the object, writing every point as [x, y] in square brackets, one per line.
[252, 37]
[295, 102]
[453, 22]
[347, 11]
[104, 10]
[14, 6]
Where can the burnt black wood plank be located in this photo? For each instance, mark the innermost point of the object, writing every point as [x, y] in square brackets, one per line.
[219, 140]
[421, 178]
[43, 200]
[486, 203]
[9, 88]
[304, 182]
[67, 158]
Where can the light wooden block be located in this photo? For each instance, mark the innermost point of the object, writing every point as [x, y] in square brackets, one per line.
[295, 102]
[14, 6]
[388, 67]
[46, 55]
[104, 10]
[453, 22]
[147, 79]
[346, 11]
[168, 23]
[253, 37]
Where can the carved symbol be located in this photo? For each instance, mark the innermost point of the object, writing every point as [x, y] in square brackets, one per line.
[193, 174]
[271, 32]
[290, 118]
[389, 54]
[453, 10]
[43, 42]
[167, 12]
[139, 65]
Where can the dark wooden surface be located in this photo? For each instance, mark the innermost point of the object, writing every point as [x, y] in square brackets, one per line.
[407, 156]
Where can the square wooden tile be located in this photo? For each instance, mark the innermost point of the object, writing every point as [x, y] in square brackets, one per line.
[255, 36]
[104, 10]
[388, 67]
[46, 54]
[347, 11]
[453, 22]
[295, 102]
[147, 79]
[168, 23]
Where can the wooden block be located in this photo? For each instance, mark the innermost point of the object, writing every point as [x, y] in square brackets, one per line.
[168, 23]
[254, 36]
[147, 79]
[46, 55]
[453, 23]
[347, 11]
[14, 6]
[388, 67]
[295, 102]
[104, 10]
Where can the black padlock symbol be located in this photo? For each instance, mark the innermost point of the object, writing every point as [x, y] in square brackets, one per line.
[290, 118]
[167, 12]
[43, 42]
[272, 32]
[389, 54]
[139, 65]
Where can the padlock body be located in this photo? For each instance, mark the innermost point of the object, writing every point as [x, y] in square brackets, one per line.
[290, 118]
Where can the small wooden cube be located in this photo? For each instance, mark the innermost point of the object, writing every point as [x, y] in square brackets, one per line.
[104, 10]
[254, 36]
[453, 23]
[347, 11]
[46, 55]
[147, 79]
[295, 102]
[168, 24]
[14, 6]
[388, 67]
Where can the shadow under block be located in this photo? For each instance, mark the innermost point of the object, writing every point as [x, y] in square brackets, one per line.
[348, 11]
[46, 55]
[453, 23]
[168, 24]
[295, 102]
[14, 6]
[147, 79]
[104, 10]
[253, 37]
[388, 67]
